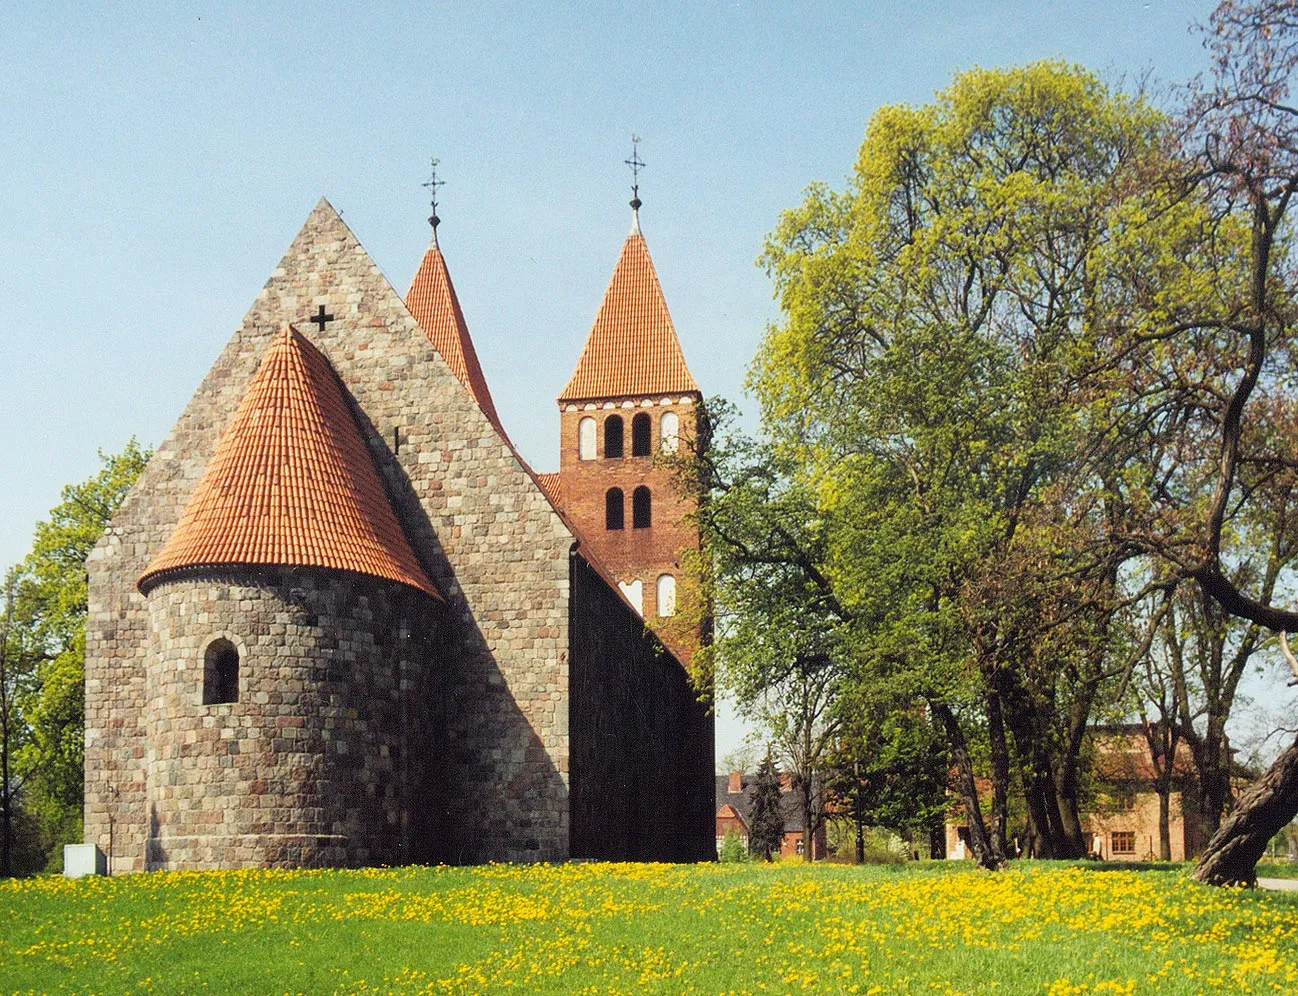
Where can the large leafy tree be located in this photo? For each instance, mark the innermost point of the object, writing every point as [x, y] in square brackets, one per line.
[44, 653]
[940, 389]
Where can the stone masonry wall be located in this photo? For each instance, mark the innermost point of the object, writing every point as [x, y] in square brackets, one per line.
[321, 759]
[480, 526]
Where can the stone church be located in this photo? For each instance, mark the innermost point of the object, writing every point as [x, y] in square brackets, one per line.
[340, 621]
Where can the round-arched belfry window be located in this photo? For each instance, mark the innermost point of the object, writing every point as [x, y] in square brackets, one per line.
[220, 672]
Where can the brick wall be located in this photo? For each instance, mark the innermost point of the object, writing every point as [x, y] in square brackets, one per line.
[631, 554]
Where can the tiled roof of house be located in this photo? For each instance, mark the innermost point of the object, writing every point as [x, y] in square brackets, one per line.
[292, 483]
[632, 348]
[432, 301]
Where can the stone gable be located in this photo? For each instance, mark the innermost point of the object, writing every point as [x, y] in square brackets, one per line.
[476, 520]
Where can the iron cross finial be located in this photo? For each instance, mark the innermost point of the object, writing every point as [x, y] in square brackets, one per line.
[636, 164]
[431, 186]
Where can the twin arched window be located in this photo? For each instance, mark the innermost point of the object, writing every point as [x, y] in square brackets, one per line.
[615, 508]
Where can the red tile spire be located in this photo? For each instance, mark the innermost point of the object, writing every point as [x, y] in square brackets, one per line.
[432, 301]
[632, 349]
[291, 483]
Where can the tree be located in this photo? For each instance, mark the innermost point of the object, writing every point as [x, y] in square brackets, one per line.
[938, 390]
[43, 674]
[766, 823]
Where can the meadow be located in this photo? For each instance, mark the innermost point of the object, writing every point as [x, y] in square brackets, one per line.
[1056, 930]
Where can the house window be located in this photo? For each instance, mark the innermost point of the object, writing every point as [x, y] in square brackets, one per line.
[220, 673]
[613, 437]
[613, 513]
[586, 439]
[641, 513]
[1124, 842]
[666, 595]
[668, 427]
[641, 427]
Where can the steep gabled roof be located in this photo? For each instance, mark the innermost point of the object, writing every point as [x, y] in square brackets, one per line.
[632, 349]
[291, 483]
[432, 301]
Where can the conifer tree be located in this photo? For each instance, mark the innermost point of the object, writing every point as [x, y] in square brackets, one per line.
[766, 829]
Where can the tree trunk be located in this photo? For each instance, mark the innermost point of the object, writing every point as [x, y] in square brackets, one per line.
[1267, 807]
[1000, 758]
[985, 852]
[1164, 823]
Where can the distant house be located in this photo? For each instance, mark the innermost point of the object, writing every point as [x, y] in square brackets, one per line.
[1120, 819]
[734, 807]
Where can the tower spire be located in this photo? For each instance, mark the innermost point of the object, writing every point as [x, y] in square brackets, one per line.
[431, 186]
[636, 164]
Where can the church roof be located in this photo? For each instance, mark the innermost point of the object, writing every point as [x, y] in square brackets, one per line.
[291, 483]
[551, 484]
[632, 349]
[431, 300]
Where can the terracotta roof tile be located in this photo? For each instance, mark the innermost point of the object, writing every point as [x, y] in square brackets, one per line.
[632, 348]
[432, 301]
[550, 484]
[292, 483]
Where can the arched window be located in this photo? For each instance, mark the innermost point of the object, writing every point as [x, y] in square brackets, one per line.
[220, 673]
[668, 428]
[641, 427]
[641, 513]
[586, 439]
[666, 595]
[613, 436]
[614, 516]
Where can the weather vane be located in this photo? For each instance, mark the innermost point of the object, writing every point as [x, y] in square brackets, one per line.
[636, 164]
[431, 186]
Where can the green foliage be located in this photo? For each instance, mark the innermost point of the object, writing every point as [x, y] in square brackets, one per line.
[766, 818]
[45, 648]
[732, 847]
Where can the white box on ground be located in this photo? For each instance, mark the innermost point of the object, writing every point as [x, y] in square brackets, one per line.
[83, 859]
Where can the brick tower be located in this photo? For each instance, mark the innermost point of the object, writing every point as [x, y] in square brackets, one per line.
[630, 402]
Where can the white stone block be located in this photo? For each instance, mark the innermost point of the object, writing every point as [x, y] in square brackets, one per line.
[83, 859]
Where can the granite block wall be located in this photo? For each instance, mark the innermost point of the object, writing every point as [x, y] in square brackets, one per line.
[479, 525]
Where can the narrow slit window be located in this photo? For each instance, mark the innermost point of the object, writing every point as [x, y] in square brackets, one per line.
[220, 673]
[641, 510]
[641, 428]
[613, 436]
[614, 515]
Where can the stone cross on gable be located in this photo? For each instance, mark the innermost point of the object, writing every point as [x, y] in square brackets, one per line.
[321, 319]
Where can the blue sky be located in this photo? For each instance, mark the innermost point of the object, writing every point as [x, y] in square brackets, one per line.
[157, 159]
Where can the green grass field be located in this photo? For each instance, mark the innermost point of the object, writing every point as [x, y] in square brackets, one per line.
[591, 928]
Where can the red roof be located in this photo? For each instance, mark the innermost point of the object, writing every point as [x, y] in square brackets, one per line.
[432, 301]
[550, 484]
[632, 349]
[292, 483]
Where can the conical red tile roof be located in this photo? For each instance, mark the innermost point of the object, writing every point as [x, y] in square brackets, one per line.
[292, 483]
[432, 301]
[632, 349]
